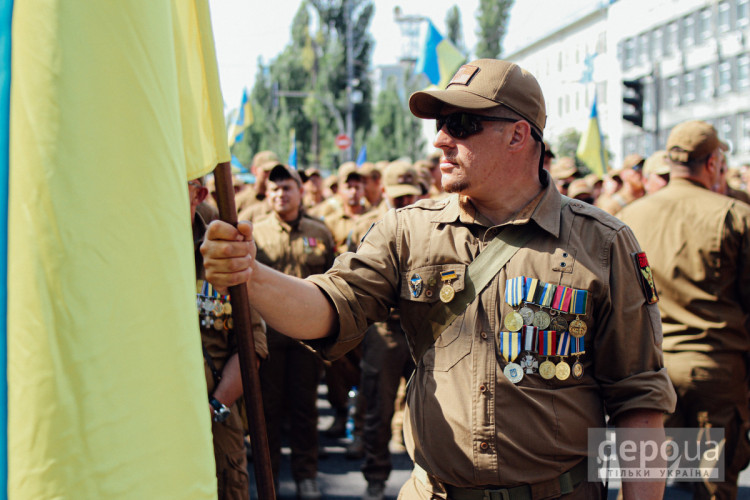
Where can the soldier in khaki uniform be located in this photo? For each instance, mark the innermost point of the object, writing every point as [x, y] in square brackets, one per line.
[699, 249]
[385, 353]
[632, 186]
[476, 426]
[256, 193]
[296, 245]
[221, 364]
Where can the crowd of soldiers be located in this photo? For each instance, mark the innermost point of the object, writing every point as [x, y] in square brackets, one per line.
[303, 221]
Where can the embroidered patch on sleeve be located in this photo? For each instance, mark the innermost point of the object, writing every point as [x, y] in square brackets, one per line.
[646, 277]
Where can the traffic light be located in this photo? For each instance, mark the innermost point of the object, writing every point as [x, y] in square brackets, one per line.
[633, 99]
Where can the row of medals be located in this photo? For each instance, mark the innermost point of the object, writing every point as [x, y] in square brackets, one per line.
[215, 311]
[542, 320]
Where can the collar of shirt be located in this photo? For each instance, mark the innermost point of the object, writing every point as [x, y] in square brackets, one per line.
[544, 209]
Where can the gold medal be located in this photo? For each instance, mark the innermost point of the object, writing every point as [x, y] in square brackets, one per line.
[577, 328]
[447, 293]
[577, 370]
[227, 307]
[229, 323]
[219, 324]
[218, 309]
[513, 321]
[527, 314]
[513, 372]
[541, 320]
[547, 370]
[562, 370]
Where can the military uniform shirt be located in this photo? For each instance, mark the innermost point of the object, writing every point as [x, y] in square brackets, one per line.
[699, 250]
[466, 423]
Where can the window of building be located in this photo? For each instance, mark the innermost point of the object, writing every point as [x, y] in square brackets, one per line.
[743, 72]
[724, 20]
[704, 28]
[671, 35]
[673, 92]
[628, 54]
[706, 83]
[644, 48]
[743, 13]
[559, 106]
[725, 78]
[688, 86]
[725, 128]
[657, 42]
[687, 31]
[744, 137]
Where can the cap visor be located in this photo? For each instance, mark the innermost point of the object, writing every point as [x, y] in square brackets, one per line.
[402, 190]
[428, 103]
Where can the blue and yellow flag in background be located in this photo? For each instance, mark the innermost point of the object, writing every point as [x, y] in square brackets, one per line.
[114, 106]
[242, 120]
[591, 150]
[439, 59]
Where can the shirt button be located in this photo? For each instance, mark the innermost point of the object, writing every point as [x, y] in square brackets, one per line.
[484, 445]
[562, 264]
[482, 388]
[483, 335]
[565, 254]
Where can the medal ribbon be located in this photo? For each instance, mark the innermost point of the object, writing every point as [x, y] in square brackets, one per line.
[561, 301]
[547, 294]
[547, 342]
[563, 346]
[510, 345]
[514, 291]
[532, 289]
[578, 303]
[529, 338]
[448, 275]
[578, 346]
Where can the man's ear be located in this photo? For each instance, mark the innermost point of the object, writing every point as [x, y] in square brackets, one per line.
[201, 194]
[521, 135]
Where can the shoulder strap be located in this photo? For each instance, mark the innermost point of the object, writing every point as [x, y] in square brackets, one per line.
[479, 273]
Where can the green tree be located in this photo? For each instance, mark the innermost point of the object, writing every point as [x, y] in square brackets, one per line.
[492, 19]
[455, 30]
[396, 132]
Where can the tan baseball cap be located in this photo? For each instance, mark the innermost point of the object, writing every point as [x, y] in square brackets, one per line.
[692, 140]
[264, 156]
[563, 168]
[657, 164]
[401, 179]
[631, 161]
[346, 170]
[368, 168]
[579, 187]
[485, 84]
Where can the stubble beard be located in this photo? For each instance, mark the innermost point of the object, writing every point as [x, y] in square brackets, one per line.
[456, 186]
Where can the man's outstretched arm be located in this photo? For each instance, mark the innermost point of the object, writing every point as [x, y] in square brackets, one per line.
[288, 304]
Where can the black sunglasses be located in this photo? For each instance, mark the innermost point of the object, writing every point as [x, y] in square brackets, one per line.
[462, 125]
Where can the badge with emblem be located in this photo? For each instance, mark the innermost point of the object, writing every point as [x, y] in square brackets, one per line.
[415, 285]
[509, 345]
[547, 348]
[562, 369]
[541, 320]
[528, 357]
[558, 323]
[578, 303]
[513, 296]
[447, 292]
[646, 278]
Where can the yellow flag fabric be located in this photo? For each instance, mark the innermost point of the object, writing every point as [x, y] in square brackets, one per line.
[114, 106]
[591, 150]
[449, 60]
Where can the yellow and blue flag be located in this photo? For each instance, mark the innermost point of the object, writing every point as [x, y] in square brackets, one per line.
[114, 106]
[242, 120]
[591, 149]
[439, 59]
[292, 160]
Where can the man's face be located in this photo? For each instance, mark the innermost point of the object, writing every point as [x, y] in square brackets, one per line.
[372, 187]
[472, 165]
[197, 193]
[285, 197]
[654, 182]
[352, 190]
[314, 184]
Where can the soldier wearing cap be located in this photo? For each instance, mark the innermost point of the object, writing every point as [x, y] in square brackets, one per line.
[313, 186]
[476, 425]
[699, 250]
[221, 366]
[723, 186]
[260, 208]
[563, 172]
[631, 189]
[385, 353]
[297, 245]
[655, 172]
[251, 195]
[371, 180]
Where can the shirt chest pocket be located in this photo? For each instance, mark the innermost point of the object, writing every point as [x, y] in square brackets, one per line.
[421, 289]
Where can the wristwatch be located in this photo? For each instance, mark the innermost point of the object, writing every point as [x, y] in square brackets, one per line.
[221, 412]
